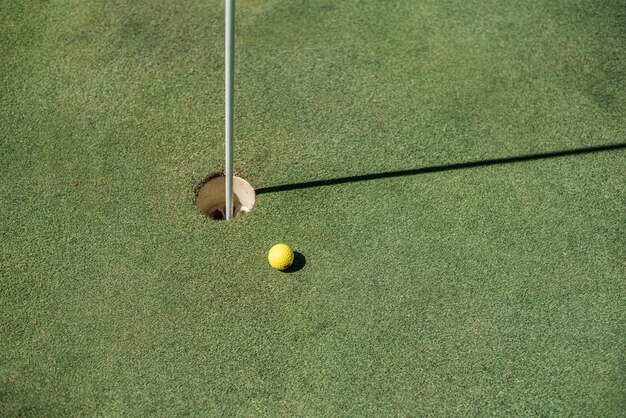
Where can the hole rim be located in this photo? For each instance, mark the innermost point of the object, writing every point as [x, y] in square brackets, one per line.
[216, 211]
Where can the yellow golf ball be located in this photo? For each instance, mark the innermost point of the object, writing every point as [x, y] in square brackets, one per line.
[280, 256]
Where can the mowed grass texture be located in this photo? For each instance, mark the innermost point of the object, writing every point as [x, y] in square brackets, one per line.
[496, 290]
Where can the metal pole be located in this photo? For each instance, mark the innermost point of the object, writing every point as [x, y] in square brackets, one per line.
[230, 73]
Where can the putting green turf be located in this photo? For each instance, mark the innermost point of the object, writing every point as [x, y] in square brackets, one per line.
[495, 290]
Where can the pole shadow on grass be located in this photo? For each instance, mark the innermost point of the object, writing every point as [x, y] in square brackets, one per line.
[436, 169]
[299, 260]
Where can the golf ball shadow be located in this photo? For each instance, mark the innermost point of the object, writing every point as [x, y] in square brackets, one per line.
[299, 260]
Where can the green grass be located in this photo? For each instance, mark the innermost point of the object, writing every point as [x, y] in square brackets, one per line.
[494, 290]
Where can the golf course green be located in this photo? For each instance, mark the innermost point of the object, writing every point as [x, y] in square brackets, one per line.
[450, 173]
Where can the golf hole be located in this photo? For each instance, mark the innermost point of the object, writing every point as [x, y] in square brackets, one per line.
[211, 197]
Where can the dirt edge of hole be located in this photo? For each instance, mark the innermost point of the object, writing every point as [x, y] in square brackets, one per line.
[210, 200]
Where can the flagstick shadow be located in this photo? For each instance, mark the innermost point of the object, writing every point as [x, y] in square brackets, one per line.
[440, 168]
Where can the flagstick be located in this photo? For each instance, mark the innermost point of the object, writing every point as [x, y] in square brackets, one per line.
[230, 72]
